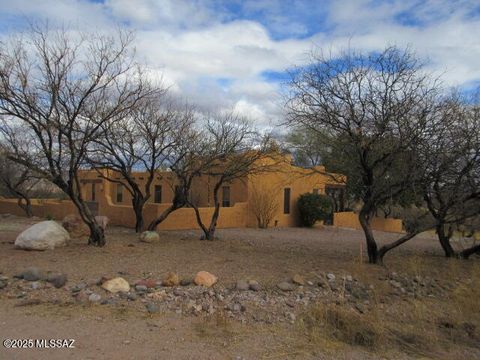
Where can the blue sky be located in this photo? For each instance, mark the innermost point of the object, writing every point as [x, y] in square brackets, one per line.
[234, 54]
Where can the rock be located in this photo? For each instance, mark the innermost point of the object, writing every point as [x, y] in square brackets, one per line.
[141, 288]
[299, 280]
[395, 284]
[132, 296]
[330, 277]
[254, 285]
[102, 221]
[360, 308]
[349, 278]
[116, 285]
[45, 235]
[75, 225]
[152, 308]
[204, 278]
[57, 280]
[94, 298]
[149, 237]
[149, 283]
[242, 285]
[171, 279]
[78, 287]
[32, 274]
[186, 282]
[3, 284]
[310, 283]
[291, 317]
[35, 285]
[286, 286]
[290, 303]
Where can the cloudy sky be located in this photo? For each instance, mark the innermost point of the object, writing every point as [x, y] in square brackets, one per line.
[234, 54]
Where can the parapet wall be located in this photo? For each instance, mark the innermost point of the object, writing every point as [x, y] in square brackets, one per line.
[349, 219]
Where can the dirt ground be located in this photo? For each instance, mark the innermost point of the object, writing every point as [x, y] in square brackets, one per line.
[268, 256]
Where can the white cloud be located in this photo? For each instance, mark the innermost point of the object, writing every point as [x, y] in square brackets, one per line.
[192, 45]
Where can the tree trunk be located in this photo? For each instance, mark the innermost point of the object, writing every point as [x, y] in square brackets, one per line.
[465, 254]
[97, 235]
[444, 239]
[372, 248]
[213, 223]
[153, 225]
[27, 206]
[137, 204]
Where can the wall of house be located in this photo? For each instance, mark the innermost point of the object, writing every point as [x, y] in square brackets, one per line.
[56, 209]
[299, 180]
[349, 219]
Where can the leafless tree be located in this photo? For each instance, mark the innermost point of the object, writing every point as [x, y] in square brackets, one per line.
[376, 107]
[59, 87]
[232, 151]
[17, 181]
[450, 158]
[183, 162]
[143, 141]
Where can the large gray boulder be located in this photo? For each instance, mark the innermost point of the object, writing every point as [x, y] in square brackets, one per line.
[45, 235]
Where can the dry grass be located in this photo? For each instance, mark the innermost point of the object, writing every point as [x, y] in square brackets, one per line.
[424, 327]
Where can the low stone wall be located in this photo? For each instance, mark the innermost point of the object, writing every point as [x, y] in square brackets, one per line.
[349, 219]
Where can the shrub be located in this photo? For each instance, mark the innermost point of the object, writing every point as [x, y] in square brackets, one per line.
[313, 208]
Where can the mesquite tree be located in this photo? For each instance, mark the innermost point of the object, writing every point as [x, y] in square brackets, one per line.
[142, 141]
[377, 107]
[19, 182]
[59, 87]
[232, 151]
[450, 159]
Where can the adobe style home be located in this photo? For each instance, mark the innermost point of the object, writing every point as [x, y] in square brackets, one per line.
[284, 184]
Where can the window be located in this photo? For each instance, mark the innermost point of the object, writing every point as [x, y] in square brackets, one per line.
[286, 201]
[315, 191]
[93, 192]
[119, 193]
[158, 194]
[226, 196]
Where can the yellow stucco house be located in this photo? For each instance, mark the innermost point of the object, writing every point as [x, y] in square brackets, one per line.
[238, 198]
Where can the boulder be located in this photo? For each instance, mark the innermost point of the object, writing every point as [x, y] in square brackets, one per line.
[254, 285]
[45, 235]
[171, 279]
[149, 283]
[102, 221]
[94, 298]
[286, 286]
[116, 285]
[242, 285]
[32, 274]
[57, 280]
[149, 237]
[298, 279]
[75, 225]
[204, 278]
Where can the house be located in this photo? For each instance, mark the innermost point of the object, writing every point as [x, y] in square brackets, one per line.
[283, 181]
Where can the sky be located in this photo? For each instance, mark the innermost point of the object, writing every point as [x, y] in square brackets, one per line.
[235, 54]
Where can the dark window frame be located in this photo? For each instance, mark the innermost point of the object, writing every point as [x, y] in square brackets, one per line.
[286, 200]
[119, 193]
[226, 196]
[157, 197]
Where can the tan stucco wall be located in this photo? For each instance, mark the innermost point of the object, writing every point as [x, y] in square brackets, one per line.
[349, 219]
